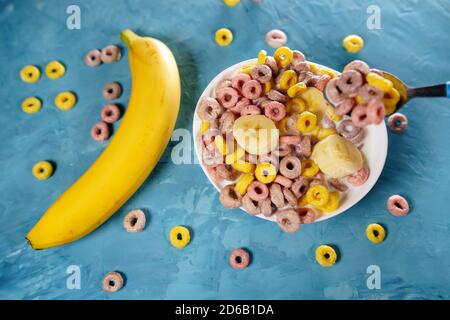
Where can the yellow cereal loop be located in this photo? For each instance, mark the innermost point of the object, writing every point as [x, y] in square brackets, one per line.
[244, 181]
[327, 71]
[307, 122]
[318, 196]
[231, 3]
[353, 43]
[262, 57]
[65, 100]
[179, 237]
[296, 105]
[325, 133]
[326, 256]
[315, 133]
[221, 144]
[296, 90]
[55, 70]
[247, 69]
[375, 233]
[283, 56]
[391, 100]
[42, 170]
[268, 86]
[205, 126]
[282, 126]
[359, 100]
[332, 114]
[224, 37]
[30, 74]
[302, 202]
[235, 157]
[288, 79]
[314, 68]
[309, 168]
[31, 105]
[244, 167]
[379, 82]
[265, 173]
[333, 203]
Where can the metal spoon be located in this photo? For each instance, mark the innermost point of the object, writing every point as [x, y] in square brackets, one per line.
[407, 93]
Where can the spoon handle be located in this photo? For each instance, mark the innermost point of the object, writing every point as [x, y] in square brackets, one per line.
[439, 90]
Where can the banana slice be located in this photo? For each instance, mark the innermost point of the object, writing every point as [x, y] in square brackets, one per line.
[337, 157]
[257, 134]
[315, 101]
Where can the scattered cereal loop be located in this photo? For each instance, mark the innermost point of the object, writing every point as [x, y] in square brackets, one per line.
[239, 259]
[223, 37]
[112, 282]
[30, 74]
[353, 43]
[31, 105]
[276, 38]
[326, 256]
[42, 170]
[179, 237]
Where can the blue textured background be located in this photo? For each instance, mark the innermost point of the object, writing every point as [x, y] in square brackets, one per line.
[415, 257]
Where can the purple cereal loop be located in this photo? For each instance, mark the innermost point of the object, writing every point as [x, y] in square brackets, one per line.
[262, 73]
[290, 167]
[257, 191]
[276, 195]
[297, 56]
[283, 181]
[333, 92]
[358, 138]
[345, 106]
[288, 220]
[209, 109]
[348, 130]
[367, 93]
[275, 111]
[301, 67]
[266, 207]
[359, 66]
[350, 82]
[272, 64]
[300, 186]
[327, 123]
[276, 95]
[290, 197]
[230, 198]
[250, 206]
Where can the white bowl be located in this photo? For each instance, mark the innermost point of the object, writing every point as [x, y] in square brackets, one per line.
[374, 150]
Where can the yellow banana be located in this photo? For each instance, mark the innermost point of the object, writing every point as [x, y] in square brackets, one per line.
[131, 155]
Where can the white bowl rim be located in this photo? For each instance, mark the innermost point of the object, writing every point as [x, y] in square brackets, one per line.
[365, 189]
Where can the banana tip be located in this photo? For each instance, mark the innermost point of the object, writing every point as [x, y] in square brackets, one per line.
[128, 36]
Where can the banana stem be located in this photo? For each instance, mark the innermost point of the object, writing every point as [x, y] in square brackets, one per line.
[128, 37]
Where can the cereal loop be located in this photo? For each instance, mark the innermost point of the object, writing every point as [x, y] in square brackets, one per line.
[228, 97]
[93, 58]
[30, 74]
[110, 54]
[276, 38]
[55, 70]
[179, 237]
[239, 259]
[223, 37]
[65, 100]
[375, 233]
[326, 256]
[112, 282]
[31, 105]
[353, 43]
[288, 220]
[111, 113]
[398, 206]
[252, 89]
[42, 170]
[275, 111]
[134, 221]
[283, 56]
[112, 90]
[100, 131]
[398, 122]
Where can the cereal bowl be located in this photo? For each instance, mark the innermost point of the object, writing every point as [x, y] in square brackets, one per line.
[374, 149]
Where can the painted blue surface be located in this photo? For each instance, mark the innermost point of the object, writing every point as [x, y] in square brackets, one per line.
[415, 257]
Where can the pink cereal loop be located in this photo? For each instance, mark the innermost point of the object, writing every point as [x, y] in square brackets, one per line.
[100, 131]
[398, 206]
[93, 58]
[250, 110]
[238, 81]
[252, 89]
[376, 111]
[110, 113]
[290, 140]
[112, 282]
[112, 90]
[345, 107]
[307, 215]
[237, 109]
[359, 178]
[398, 122]
[239, 259]
[275, 111]
[322, 82]
[228, 97]
[276, 38]
[285, 182]
[134, 221]
[360, 117]
[258, 191]
[111, 54]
